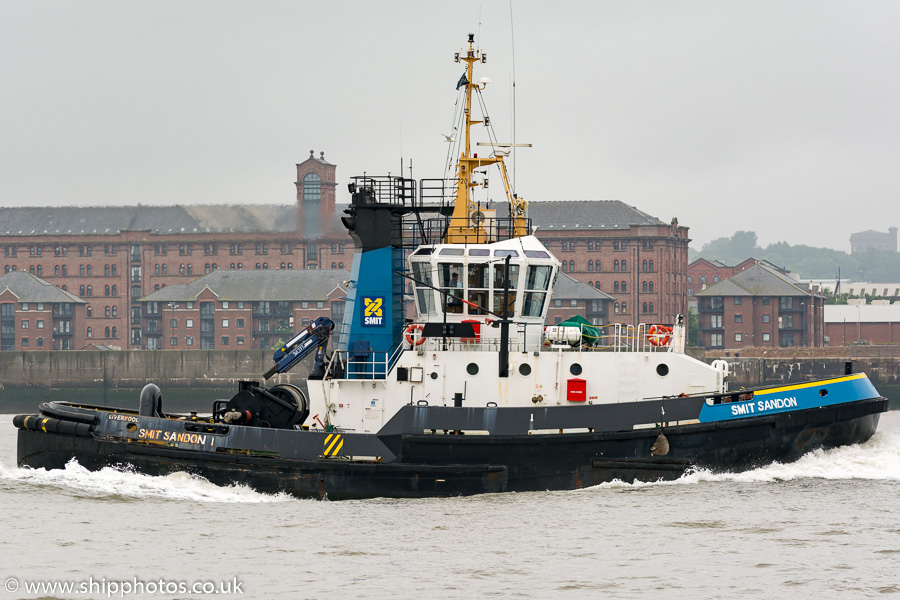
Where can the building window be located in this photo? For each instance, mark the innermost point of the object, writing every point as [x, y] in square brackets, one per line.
[616, 308]
[644, 265]
[238, 322]
[224, 340]
[173, 323]
[224, 322]
[90, 332]
[615, 245]
[106, 332]
[690, 279]
[651, 308]
[557, 304]
[766, 318]
[766, 300]
[623, 288]
[715, 321]
[624, 307]
[787, 340]
[715, 340]
[738, 300]
[616, 288]
[189, 340]
[738, 337]
[644, 308]
[716, 279]
[25, 342]
[787, 303]
[40, 341]
[624, 267]
[311, 205]
[188, 323]
[615, 265]
[565, 266]
[239, 340]
[766, 337]
[571, 266]
[25, 324]
[173, 341]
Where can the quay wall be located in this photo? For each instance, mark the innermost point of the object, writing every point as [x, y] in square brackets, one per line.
[186, 369]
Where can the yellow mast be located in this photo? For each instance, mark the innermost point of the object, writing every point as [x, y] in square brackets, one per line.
[462, 228]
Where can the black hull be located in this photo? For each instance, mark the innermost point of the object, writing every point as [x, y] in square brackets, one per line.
[446, 465]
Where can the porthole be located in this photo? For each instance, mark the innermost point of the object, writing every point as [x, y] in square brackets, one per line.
[524, 369]
[662, 369]
[575, 369]
[472, 369]
[434, 375]
[823, 392]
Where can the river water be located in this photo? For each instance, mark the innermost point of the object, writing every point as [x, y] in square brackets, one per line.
[827, 526]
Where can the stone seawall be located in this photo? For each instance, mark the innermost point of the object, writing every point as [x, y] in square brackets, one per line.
[133, 369]
[752, 372]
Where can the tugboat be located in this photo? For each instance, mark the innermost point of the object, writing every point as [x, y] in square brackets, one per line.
[473, 394]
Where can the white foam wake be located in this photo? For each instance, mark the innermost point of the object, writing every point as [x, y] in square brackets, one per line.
[112, 482]
[877, 459]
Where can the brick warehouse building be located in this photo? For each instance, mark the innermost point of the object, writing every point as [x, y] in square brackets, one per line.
[251, 308]
[636, 258]
[760, 307]
[112, 257]
[703, 273]
[37, 315]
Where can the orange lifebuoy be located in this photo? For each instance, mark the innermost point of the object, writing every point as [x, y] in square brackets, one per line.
[412, 329]
[659, 335]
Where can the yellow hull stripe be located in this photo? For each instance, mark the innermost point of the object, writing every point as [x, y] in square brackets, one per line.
[334, 443]
[801, 386]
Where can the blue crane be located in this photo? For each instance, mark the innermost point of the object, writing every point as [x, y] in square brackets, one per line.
[313, 338]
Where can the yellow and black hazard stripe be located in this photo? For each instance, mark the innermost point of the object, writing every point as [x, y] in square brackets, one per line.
[333, 444]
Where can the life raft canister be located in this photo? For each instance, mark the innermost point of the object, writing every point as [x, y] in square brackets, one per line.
[411, 330]
[659, 335]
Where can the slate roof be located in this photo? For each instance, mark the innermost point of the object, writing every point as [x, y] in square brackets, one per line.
[257, 286]
[583, 214]
[110, 220]
[29, 288]
[569, 288]
[758, 280]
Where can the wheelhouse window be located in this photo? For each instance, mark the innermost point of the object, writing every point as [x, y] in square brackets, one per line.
[537, 282]
[452, 284]
[500, 286]
[478, 282]
[424, 295]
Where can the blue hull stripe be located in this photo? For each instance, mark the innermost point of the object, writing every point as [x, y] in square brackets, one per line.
[793, 397]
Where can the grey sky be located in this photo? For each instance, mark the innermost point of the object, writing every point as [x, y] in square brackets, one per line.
[775, 116]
